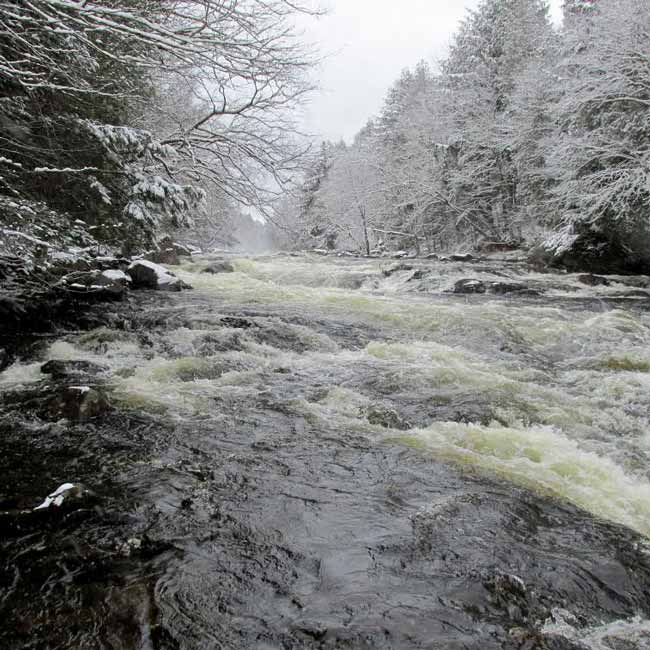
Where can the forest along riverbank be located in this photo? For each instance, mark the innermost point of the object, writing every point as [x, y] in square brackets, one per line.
[307, 452]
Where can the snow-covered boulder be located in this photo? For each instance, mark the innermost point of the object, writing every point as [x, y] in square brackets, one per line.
[584, 248]
[168, 252]
[110, 263]
[69, 261]
[96, 285]
[469, 285]
[149, 275]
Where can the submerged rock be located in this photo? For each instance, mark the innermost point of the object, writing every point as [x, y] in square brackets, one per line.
[59, 368]
[469, 285]
[462, 257]
[511, 287]
[78, 403]
[593, 280]
[219, 267]
[395, 268]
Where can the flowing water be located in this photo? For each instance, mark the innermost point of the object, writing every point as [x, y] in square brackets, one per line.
[317, 452]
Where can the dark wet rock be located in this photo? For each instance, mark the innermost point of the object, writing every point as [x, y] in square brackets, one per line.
[506, 287]
[396, 268]
[164, 256]
[60, 369]
[589, 249]
[78, 403]
[469, 285]
[237, 323]
[462, 257]
[420, 274]
[12, 310]
[148, 275]
[183, 250]
[168, 252]
[219, 267]
[514, 288]
[386, 417]
[96, 285]
[110, 263]
[593, 280]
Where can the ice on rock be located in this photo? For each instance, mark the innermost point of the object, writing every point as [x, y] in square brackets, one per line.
[58, 496]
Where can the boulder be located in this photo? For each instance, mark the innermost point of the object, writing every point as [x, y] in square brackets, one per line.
[182, 250]
[108, 263]
[219, 267]
[593, 280]
[420, 274]
[96, 285]
[395, 268]
[78, 403]
[581, 247]
[469, 285]
[60, 369]
[67, 261]
[168, 252]
[462, 257]
[148, 275]
[506, 287]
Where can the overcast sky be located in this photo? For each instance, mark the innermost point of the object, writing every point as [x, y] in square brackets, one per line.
[368, 43]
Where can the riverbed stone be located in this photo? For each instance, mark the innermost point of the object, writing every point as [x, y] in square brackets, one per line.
[469, 285]
[462, 257]
[506, 287]
[396, 268]
[62, 368]
[593, 280]
[219, 267]
[78, 403]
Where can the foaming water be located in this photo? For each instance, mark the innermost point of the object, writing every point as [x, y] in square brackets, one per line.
[563, 391]
[342, 453]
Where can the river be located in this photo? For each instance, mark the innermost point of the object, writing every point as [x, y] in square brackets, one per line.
[320, 452]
